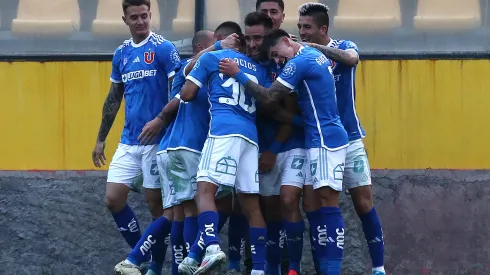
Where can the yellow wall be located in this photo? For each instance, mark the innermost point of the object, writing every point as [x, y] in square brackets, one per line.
[418, 114]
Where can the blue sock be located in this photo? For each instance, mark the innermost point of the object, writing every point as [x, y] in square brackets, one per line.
[159, 251]
[128, 225]
[336, 238]
[223, 217]
[190, 232]
[258, 237]
[178, 245]
[313, 253]
[371, 225]
[152, 241]
[208, 224]
[274, 248]
[237, 229]
[318, 235]
[294, 232]
[198, 249]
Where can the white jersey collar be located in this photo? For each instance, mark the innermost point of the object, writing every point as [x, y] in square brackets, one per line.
[142, 43]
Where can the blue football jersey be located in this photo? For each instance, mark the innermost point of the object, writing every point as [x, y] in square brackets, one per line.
[144, 69]
[177, 85]
[232, 109]
[309, 72]
[191, 124]
[345, 77]
[267, 127]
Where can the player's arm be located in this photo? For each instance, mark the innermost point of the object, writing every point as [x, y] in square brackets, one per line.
[109, 112]
[198, 77]
[348, 57]
[111, 106]
[267, 95]
[230, 42]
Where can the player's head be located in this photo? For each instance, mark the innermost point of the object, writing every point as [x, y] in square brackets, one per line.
[227, 28]
[273, 8]
[137, 16]
[256, 26]
[202, 40]
[278, 46]
[313, 22]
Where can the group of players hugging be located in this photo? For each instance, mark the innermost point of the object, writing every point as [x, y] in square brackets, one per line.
[253, 127]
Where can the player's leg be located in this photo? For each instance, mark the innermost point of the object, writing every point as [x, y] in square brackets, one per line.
[122, 176]
[237, 232]
[311, 206]
[217, 166]
[247, 187]
[270, 188]
[327, 168]
[293, 179]
[153, 239]
[357, 179]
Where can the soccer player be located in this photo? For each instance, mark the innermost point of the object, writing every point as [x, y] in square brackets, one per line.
[184, 150]
[275, 10]
[230, 154]
[308, 71]
[277, 140]
[313, 27]
[142, 69]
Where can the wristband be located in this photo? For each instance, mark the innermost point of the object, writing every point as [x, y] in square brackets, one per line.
[275, 147]
[298, 121]
[242, 78]
[217, 45]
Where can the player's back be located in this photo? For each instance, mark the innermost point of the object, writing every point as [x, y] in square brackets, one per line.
[191, 125]
[317, 99]
[177, 84]
[144, 69]
[345, 77]
[232, 110]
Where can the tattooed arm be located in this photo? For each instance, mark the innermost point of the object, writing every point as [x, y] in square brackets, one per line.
[110, 109]
[347, 57]
[109, 113]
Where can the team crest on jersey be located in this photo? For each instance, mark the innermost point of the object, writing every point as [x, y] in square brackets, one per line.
[290, 69]
[125, 61]
[174, 56]
[333, 64]
[149, 57]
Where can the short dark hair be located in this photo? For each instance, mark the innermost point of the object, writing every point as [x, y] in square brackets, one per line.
[270, 40]
[318, 11]
[227, 28]
[257, 18]
[279, 2]
[128, 3]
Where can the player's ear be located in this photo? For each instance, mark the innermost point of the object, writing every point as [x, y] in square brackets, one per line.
[149, 15]
[124, 19]
[324, 29]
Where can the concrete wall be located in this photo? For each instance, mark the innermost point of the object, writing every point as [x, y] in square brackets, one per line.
[434, 222]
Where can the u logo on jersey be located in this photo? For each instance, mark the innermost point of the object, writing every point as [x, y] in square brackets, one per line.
[149, 57]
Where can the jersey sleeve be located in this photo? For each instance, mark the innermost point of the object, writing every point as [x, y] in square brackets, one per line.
[293, 72]
[348, 45]
[202, 69]
[169, 58]
[116, 76]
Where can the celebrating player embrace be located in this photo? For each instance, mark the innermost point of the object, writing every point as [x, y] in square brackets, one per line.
[253, 122]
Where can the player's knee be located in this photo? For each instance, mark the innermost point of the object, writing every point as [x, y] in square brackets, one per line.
[363, 205]
[362, 199]
[290, 202]
[154, 201]
[310, 200]
[328, 197]
[115, 204]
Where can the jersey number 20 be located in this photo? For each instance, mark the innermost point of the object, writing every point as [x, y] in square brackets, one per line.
[239, 94]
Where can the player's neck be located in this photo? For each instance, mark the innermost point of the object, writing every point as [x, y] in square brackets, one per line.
[140, 38]
[325, 41]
